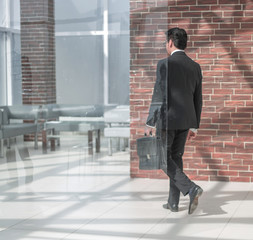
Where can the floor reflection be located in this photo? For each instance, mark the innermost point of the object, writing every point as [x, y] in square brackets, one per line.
[67, 194]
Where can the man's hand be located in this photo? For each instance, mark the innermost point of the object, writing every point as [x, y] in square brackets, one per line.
[191, 135]
[149, 131]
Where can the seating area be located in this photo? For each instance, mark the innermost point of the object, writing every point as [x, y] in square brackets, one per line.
[52, 119]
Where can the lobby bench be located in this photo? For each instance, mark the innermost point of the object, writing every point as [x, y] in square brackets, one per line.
[12, 123]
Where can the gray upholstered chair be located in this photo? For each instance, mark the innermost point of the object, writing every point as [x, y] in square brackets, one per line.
[12, 124]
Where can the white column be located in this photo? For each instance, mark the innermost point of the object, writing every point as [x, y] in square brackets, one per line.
[106, 53]
[8, 56]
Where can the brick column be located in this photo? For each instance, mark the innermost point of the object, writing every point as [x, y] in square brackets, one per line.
[220, 39]
[38, 51]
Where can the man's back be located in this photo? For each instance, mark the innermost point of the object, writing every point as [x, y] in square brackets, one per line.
[184, 81]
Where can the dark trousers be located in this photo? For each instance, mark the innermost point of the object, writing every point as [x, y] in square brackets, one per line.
[174, 143]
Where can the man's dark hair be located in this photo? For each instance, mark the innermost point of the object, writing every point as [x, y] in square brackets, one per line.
[178, 37]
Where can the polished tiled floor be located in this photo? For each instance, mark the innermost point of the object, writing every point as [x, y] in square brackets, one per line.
[69, 195]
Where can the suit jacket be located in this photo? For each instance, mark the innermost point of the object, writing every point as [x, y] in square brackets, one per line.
[177, 96]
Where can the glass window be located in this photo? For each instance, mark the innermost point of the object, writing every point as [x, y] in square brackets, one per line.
[16, 74]
[92, 51]
[3, 18]
[78, 15]
[2, 69]
[118, 15]
[119, 69]
[15, 14]
[79, 69]
[10, 57]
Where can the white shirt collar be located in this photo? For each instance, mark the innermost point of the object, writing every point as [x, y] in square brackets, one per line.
[177, 50]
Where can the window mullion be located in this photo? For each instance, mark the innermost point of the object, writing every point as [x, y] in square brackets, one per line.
[8, 57]
[106, 52]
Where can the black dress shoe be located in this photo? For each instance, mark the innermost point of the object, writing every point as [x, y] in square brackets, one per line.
[194, 193]
[172, 207]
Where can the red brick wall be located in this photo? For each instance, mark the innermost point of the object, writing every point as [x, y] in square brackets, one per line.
[38, 51]
[221, 40]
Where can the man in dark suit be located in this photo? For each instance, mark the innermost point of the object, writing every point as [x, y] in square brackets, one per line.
[175, 111]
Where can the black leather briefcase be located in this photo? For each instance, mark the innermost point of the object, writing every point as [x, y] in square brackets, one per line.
[148, 150]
